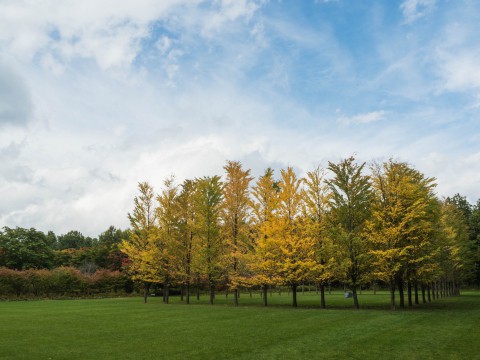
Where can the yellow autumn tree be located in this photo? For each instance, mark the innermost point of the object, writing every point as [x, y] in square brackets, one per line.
[235, 213]
[456, 254]
[168, 239]
[295, 247]
[315, 207]
[397, 222]
[422, 232]
[262, 260]
[211, 247]
[141, 245]
[186, 237]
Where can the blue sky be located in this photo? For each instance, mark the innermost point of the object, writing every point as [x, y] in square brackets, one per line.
[96, 96]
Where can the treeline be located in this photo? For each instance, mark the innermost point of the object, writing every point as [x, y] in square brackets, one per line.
[351, 224]
[22, 249]
[35, 264]
[62, 282]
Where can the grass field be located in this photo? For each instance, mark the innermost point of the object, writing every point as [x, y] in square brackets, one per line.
[125, 328]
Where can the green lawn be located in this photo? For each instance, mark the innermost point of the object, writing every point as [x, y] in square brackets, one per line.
[126, 328]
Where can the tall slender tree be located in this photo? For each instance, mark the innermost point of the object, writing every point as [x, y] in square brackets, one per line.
[186, 245]
[316, 196]
[167, 244]
[235, 216]
[141, 246]
[208, 202]
[262, 258]
[350, 208]
[295, 247]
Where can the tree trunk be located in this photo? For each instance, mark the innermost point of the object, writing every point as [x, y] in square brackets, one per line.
[235, 297]
[212, 294]
[409, 293]
[264, 295]
[355, 297]
[401, 293]
[294, 295]
[165, 292]
[424, 300]
[146, 287]
[181, 293]
[187, 293]
[322, 296]
[198, 288]
[434, 296]
[428, 293]
[416, 292]
[392, 294]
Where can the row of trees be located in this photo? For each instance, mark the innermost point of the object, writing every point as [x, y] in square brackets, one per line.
[341, 224]
[22, 249]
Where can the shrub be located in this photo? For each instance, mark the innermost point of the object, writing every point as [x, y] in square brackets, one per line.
[61, 282]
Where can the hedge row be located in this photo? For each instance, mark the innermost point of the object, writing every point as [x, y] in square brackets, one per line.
[62, 282]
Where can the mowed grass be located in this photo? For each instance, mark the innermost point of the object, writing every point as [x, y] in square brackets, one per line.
[125, 328]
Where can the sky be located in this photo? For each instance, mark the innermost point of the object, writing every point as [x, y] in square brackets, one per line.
[96, 96]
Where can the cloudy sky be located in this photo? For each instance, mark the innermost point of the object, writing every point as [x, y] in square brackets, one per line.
[96, 96]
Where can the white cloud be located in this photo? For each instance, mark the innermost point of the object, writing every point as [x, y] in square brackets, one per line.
[15, 99]
[460, 71]
[109, 32]
[456, 57]
[364, 118]
[415, 9]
